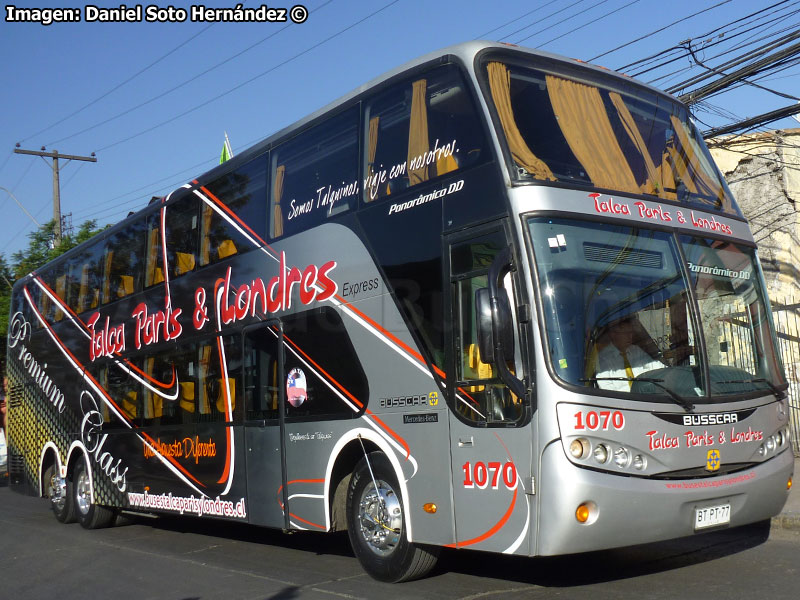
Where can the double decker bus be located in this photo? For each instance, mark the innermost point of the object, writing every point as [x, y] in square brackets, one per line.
[495, 299]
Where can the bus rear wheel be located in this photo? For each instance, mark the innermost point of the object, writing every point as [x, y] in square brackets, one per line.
[376, 525]
[90, 515]
[57, 491]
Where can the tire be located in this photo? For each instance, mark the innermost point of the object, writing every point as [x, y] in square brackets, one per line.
[58, 492]
[376, 525]
[90, 515]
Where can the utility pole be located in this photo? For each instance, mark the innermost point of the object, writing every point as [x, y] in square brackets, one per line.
[56, 186]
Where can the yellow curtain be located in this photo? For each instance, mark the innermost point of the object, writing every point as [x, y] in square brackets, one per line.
[153, 404]
[154, 274]
[61, 292]
[585, 125]
[653, 183]
[372, 149]
[500, 85]
[107, 276]
[689, 167]
[277, 214]
[205, 245]
[418, 132]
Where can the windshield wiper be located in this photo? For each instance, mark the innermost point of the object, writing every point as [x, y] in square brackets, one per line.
[779, 394]
[679, 400]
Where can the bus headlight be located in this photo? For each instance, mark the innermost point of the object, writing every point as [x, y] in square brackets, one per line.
[579, 448]
[770, 443]
[601, 453]
[622, 457]
[639, 462]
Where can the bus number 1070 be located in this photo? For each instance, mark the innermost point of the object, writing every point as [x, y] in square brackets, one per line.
[482, 475]
[605, 420]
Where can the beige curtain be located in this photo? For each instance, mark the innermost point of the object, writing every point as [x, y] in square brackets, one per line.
[277, 214]
[418, 132]
[205, 244]
[372, 150]
[653, 183]
[500, 85]
[583, 121]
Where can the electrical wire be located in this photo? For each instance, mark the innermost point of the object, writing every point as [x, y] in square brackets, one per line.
[592, 22]
[248, 81]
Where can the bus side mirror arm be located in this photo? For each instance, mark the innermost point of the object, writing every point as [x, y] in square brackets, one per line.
[495, 324]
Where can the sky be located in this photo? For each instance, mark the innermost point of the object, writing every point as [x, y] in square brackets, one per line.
[154, 100]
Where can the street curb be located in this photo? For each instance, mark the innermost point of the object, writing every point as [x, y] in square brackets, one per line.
[789, 520]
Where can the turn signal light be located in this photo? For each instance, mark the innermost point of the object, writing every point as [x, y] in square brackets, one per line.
[582, 513]
[789, 484]
[429, 508]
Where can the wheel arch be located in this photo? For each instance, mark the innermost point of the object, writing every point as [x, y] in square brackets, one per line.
[344, 457]
[50, 456]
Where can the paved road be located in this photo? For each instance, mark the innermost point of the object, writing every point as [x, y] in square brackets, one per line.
[172, 559]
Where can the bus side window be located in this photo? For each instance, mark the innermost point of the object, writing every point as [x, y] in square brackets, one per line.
[182, 235]
[261, 377]
[154, 269]
[321, 336]
[242, 192]
[314, 175]
[217, 394]
[84, 280]
[124, 262]
[420, 130]
[126, 393]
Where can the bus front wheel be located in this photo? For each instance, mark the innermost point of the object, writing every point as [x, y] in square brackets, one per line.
[376, 524]
[90, 515]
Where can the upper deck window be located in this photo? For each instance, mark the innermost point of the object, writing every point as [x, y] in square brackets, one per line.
[314, 175]
[603, 133]
[234, 212]
[418, 130]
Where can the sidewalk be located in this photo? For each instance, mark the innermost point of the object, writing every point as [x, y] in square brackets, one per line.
[790, 515]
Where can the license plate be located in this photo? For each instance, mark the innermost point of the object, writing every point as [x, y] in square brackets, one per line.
[711, 516]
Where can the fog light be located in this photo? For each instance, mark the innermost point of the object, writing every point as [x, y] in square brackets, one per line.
[639, 462]
[582, 513]
[622, 457]
[579, 448]
[601, 453]
[770, 443]
[761, 450]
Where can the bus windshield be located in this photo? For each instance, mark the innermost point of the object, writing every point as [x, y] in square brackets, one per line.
[624, 313]
[605, 133]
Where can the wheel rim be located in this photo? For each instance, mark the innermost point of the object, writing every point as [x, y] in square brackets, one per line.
[83, 493]
[57, 492]
[380, 518]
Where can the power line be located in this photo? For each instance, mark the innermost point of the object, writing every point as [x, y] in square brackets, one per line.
[165, 93]
[652, 33]
[567, 18]
[252, 79]
[116, 87]
[592, 22]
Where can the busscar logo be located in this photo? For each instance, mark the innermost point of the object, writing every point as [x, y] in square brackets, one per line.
[713, 460]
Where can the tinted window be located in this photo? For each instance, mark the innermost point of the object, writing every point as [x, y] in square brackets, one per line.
[236, 203]
[323, 373]
[181, 235]
[315, 175]
[419, 130]
[123, 263]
